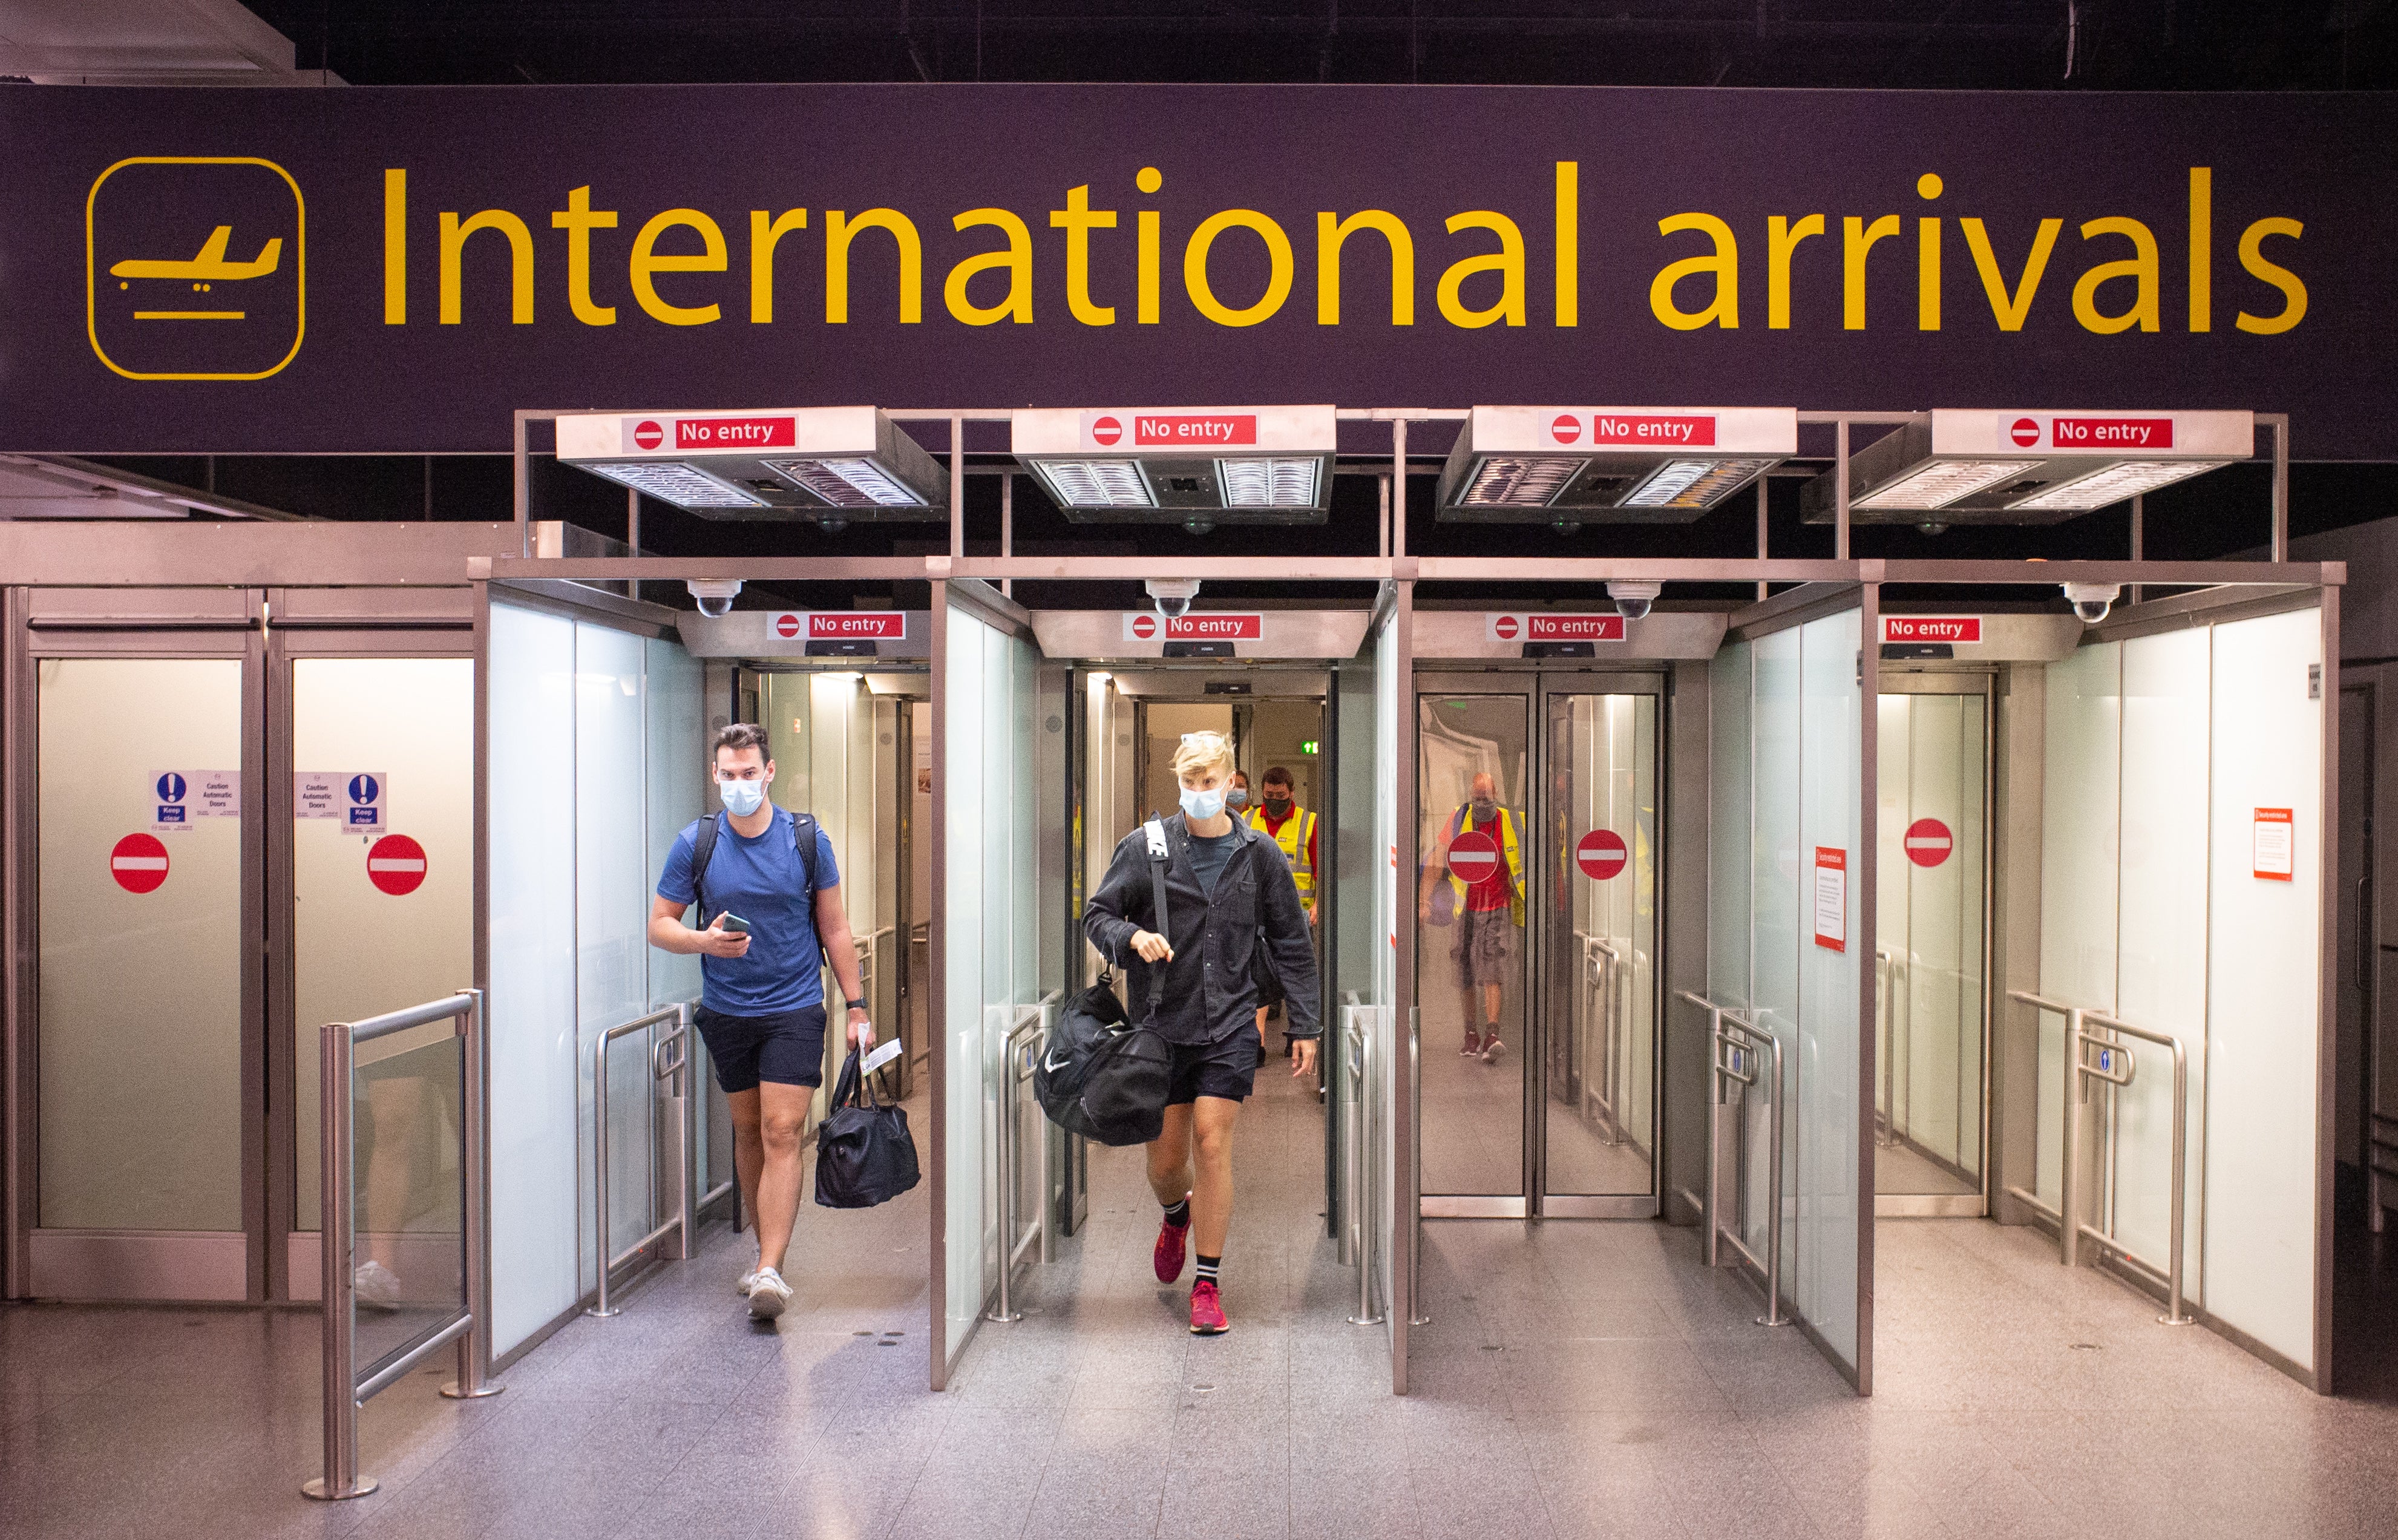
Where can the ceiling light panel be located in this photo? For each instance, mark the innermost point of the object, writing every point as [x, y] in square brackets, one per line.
[2124, 480]
[1283, 481]
[1096, 483]
[1695, 484]
[848, 482]
[1941, 482]
[1518, 480]
[1624, 465]
[672, 481]
[1191, 465]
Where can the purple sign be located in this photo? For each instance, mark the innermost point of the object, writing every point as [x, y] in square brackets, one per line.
[398, 269]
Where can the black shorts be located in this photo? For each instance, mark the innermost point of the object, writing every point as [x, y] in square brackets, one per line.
[1227, 1067]
[785, 1048]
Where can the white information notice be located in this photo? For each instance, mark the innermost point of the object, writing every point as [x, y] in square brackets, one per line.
[2275, 844]
[1831, 898]
[358, 800]
[178, 797]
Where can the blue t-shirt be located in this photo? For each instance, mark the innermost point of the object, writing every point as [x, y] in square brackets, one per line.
[765, 882]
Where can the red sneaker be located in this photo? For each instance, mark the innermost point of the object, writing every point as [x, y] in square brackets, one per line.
[1173, 1245]
[1472, 1044]
[1208, 1311]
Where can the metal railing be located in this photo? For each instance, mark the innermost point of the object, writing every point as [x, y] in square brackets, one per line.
[1602, 1002]
[1893, 984]
[1733, 1045]
[467, 1326]
[1027, 1039]
[2113, 1068]
[664, 1066]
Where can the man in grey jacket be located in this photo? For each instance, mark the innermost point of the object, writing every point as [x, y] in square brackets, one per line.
[1231, 909]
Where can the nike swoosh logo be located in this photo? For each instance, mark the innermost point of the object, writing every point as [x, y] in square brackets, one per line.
[1054, 1065]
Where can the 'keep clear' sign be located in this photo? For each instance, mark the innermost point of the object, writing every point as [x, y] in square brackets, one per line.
[180, 796]
[360, 799]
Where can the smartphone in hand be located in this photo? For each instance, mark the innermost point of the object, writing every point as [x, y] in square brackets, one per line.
[733, 923]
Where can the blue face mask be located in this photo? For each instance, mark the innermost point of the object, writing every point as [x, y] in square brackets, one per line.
[742, 797]
[1200, 806]
[1236, 798]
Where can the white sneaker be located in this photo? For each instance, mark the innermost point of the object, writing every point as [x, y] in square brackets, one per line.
[746, 1282]
[768, 1294]
[377, 1286]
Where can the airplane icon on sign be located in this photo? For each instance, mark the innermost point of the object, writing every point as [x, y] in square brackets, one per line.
[208, 266]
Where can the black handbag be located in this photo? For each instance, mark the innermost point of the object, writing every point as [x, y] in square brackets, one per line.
[865, 1154]
[1101, 1076]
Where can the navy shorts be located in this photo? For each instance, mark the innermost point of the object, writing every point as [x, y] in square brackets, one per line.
[1227, 1067]
[786, 1048]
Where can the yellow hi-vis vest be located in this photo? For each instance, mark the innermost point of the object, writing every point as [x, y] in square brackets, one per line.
[1293, 837]
[1507, 841]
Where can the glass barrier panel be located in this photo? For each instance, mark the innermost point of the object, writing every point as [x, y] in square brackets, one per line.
[408, 1186]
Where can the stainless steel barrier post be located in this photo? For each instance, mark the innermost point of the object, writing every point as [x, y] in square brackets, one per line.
[1610, 1014]
[661, 1068]
[2068, 1241]
[1025, 1044]
[1368, 1194]
[337, 1238]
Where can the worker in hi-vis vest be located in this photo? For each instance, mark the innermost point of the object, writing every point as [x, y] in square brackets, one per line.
[1292, 828]
[1491, 908]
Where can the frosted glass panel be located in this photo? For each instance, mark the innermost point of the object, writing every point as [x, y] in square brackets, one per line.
[966, 761]
[679, 791]
[612, 923]
[411, 720]
[1825, 1108]
[2162, 958]
[2265, 945]
[1776, 869]
[2080, 794]
[141, 991]
[1729, 787]
[534, 1165]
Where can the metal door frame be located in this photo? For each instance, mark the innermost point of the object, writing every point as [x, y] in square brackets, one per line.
[1536, 683]
[1982, 681]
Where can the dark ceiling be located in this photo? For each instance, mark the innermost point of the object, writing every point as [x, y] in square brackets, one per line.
[2007, 45]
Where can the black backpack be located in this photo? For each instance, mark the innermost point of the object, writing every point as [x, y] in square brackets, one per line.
[865, 1154]
[804, 844]
[1101, 1076]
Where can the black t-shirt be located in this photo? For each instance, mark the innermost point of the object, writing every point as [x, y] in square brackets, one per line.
[1208, 858]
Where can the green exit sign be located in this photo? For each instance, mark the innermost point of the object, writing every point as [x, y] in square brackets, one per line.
[1308, 747]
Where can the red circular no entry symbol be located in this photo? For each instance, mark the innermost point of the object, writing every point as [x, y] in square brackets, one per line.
[2025, 432]
[1107, 430]
[649, 435]
[1506, 627]
[1929, 842]
[1601, 854]
[396, 864]
[138, 863]
[1567, 427]
[1144, 625]
[787, 626]
[1473, 856]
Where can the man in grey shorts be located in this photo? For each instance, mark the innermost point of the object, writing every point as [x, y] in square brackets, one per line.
[1488, 878]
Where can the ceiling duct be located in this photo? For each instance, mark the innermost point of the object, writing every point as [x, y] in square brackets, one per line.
[1190, 465]
[823, 465]
[1522, 465]
[2027, 468]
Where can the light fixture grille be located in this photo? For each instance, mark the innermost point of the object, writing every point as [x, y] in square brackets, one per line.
[1693, 483]
[1520, 481]
[1942, 482]
[672, 481]
[2126, 478]
[849, 482]
[1096, 483]
[1268, 482]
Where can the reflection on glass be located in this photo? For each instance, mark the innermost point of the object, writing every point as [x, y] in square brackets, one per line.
[1600, 872]
[1471, 903]
[1928, 960]
[409, 1198]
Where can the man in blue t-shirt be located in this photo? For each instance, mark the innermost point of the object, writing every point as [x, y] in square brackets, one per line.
[761, 995]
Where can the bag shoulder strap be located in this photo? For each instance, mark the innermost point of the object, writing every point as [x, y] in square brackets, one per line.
[1158, 856]
[702, 848]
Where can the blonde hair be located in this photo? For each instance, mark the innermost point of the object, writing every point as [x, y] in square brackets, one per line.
[1201, 749]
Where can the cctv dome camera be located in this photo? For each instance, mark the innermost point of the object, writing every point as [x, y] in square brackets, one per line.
[1633, 599]
[2092, 601]
[1173, 594]
[714, 594]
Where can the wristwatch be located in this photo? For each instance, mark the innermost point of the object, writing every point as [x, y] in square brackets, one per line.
[857, 1004]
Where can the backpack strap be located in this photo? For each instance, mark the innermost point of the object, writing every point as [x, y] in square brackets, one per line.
[804, 844]
[703, 849]
[1158, 856]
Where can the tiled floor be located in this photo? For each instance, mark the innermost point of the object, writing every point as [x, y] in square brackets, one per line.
[1585, 1379]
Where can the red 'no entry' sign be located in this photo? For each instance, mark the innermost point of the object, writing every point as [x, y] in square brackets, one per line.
[1929, 842]
[396, 864]
[1600, 854]
[1474, 857]
[138, 863]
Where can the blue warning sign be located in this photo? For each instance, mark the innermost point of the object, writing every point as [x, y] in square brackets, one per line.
[172, 786]
[365, 806]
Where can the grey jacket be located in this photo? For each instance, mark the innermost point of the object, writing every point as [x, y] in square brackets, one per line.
[1211, 988]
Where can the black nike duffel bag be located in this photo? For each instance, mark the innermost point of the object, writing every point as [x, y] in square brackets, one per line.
[865, 1154]
[1101, 1076]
